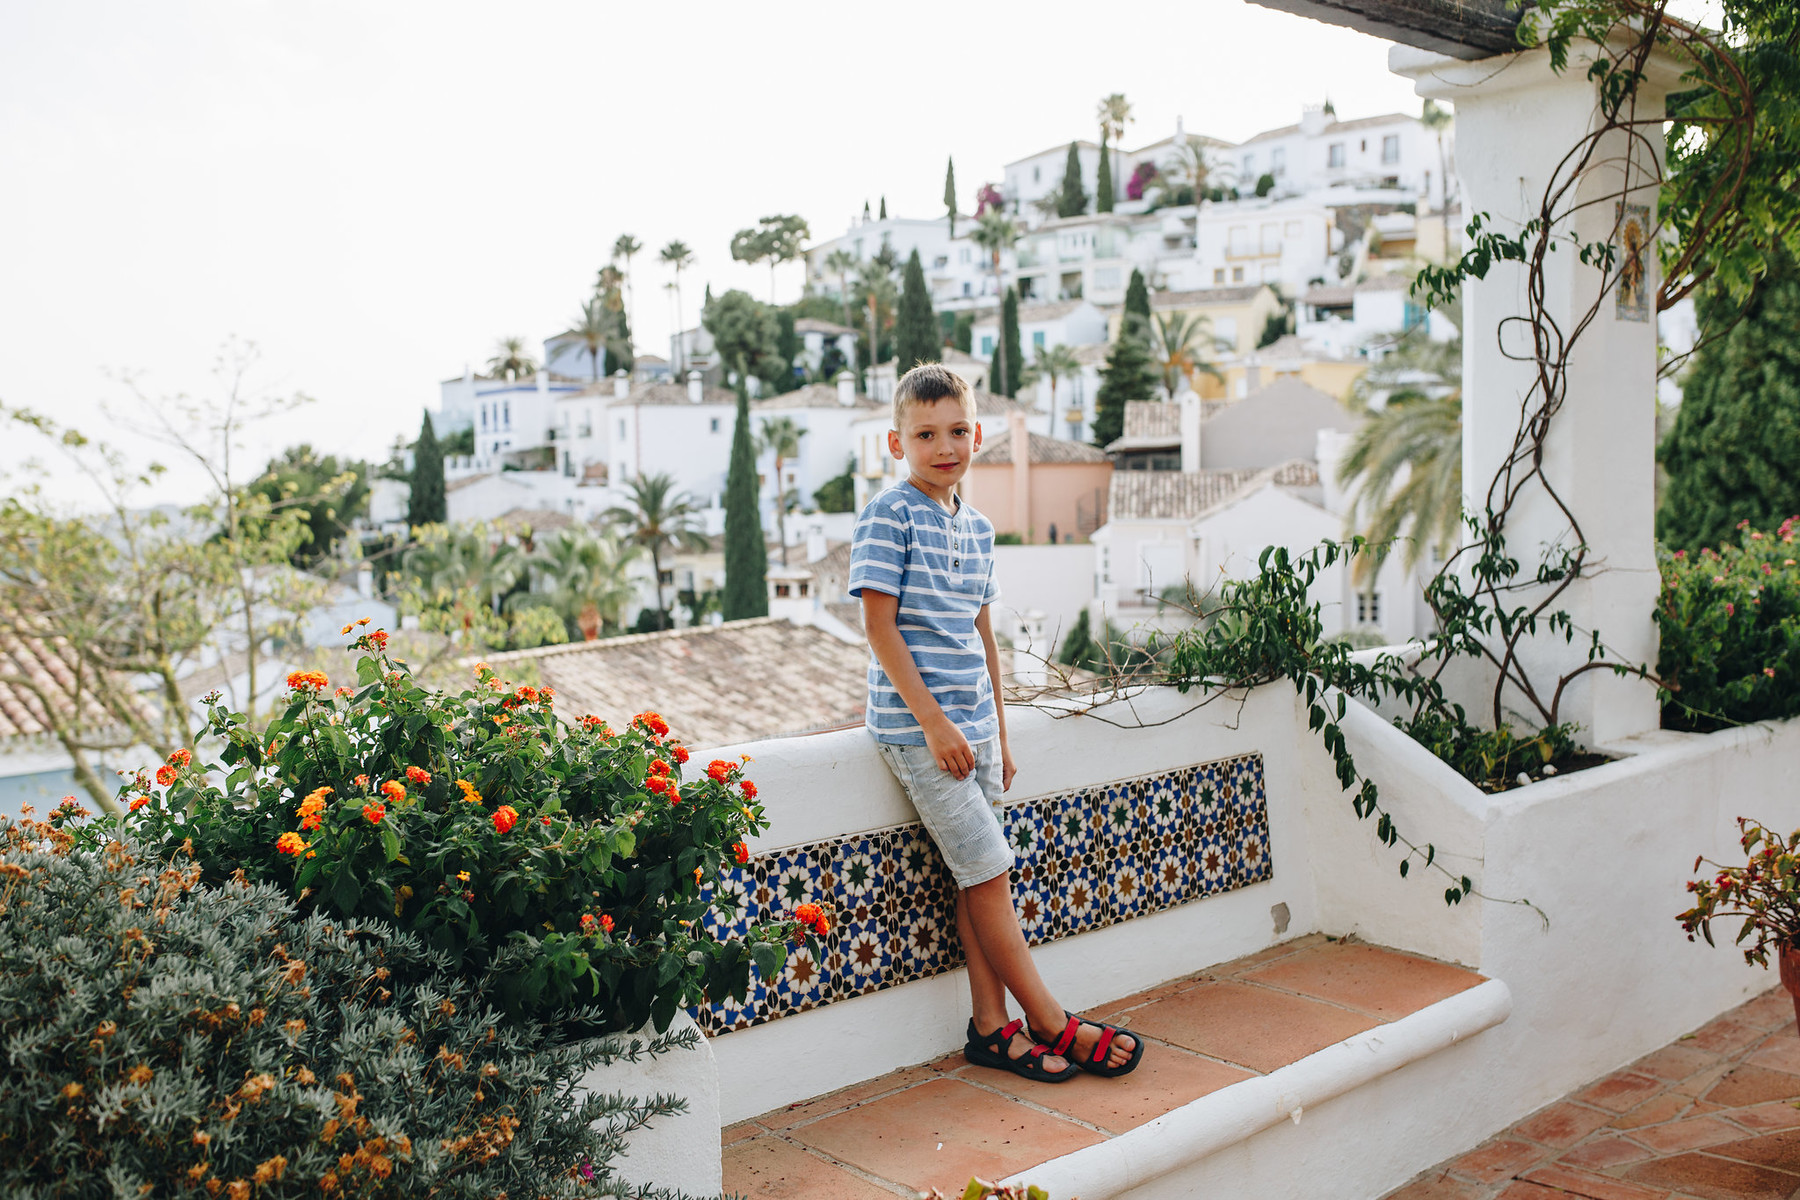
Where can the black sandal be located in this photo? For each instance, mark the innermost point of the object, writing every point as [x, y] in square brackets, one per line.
[990, 1051]
[1095, 1063]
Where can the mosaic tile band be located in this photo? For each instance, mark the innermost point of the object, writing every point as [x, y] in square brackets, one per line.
[1085, 860]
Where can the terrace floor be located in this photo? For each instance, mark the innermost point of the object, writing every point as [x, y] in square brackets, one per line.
[1714, 1115]
[935, 1126]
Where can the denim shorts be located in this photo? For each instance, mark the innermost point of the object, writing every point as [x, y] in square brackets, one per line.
[961, 815]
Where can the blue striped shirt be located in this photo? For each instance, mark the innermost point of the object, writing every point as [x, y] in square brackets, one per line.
[941, 568]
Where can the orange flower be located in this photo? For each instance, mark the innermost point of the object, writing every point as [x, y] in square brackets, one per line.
[290, 843]
[651, 723]
[527, 694]
[741, 852]
[139, 803]
[361, 781]
[374, 812]
[505, 817]
[377, 640]
[308, 681]
[469, 794]
[606, 923]
[180, 758]
[749, 789]
[346, 629]
[165, 775]
[418, 774]
[814, 918]
[394, 790]
[655, 783]
[680, 752]
[658, 767]
[720, 770]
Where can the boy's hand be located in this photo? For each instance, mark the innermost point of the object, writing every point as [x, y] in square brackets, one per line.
[950, 748]
[1007, 769]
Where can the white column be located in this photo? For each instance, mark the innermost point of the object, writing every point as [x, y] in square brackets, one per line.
[1515, 120]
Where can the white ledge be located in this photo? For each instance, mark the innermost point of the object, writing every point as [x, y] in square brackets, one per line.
[1237, 1113]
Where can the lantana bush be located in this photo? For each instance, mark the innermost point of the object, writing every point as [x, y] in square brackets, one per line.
[483, 824]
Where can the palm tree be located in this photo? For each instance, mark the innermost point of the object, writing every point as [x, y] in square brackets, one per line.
[1439, 120]
[1054, 363]
[509, 355]
[1114, 113]
[624, 248]
[780, 436]
[659, 518]
[996, 232]
[679, 257]
[1177, 347]
[582, 577]
[1417, 433]
[460, 569]
[1186, 167]
[841, 262]
[875, 284]
[594, 329]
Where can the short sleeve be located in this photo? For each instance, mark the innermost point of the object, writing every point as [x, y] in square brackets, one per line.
[991, 592]
[877, 551]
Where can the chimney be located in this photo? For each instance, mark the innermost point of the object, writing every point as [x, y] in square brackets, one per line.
[846, 388]
[1178, 129]
[468, 373]
[621, 383]
[1190, 433]
[1019, 437]
[815, 541]
[693, 382]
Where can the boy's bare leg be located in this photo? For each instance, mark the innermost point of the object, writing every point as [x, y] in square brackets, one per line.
[988, 991]
[990, 926]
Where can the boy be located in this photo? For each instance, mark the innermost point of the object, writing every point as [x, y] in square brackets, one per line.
[921, 561]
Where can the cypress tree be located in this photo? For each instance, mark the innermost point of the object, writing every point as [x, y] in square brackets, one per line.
[916, 337]
[884, 208]
[950, 193]
[1009, 334]
[1137, 302]
[1103, 190]
[746, 557]
[1071, 198]
[1734, 454]
[425, 505]
[1129, 375]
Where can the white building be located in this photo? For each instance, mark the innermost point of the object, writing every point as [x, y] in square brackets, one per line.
[828, 414]
[1063, 323]
[508, 416]
[1393, 152]
[683, 431]
[867, 235]
[819, 339]
[1282, 242]
[1362, 319]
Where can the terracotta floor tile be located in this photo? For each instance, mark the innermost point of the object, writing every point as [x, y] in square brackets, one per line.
[1166, 1079]
[1776, 1114]
[1779, 1151]
[850, 1097]
[1114, 1009]
[1531, 1191]
[1690, 1134]
[1726, 1035]
[898, 1136]
[1778, 1053]
[1701, 1082]
[1675, 1062]
[773, 1169]
[1251, 1026]
[1562, 1124]
[1753, 1085]
[1251, 961]
[1713, 1178]
[1622, 1092]
[1440, 1186]
[1653, 1111]
[1590, 1185]
[1773, 1009]
[1603, 1152]
[740, 1131]
[1498, 1160]
[1372, 980]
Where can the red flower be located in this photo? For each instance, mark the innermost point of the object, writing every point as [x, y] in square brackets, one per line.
[374, 811]
[658, 767]
[545, 820]
[655, 783]
[606, 922]
[361, 781]
[418, 774]
[165, 775]
[680, 752]
[652, 723]
[749, 789]
[394, 790]
[720, 769]
[375, 641]
[814, 918]
[741, 852]
[505, 817]
[180, 758]
[290, 843]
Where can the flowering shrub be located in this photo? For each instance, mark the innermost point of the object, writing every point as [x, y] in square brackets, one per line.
[481, 823]
[1730, 626]
[167, 1037]
[988, 197]
[1765, 892]
[1141, 177]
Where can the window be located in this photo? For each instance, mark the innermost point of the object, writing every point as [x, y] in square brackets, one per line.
[665, 576]
[715, 425]
[1218, 275]
[1249, 165]
[1034, 174]
[804, 589]
[1411, 316]
[484, 418]
[1277, 162]
[1037, 338]
[965, 287]
[987, 344]
[1390, 148]
[962, 256]
[1105, 563]
[506, 407]
[621, 426]
[1237, 274]
[1334, 154]
[1368, 608]
[783, 591]
[1362, 147]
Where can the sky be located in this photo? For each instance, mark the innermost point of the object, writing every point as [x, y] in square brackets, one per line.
[373, 194]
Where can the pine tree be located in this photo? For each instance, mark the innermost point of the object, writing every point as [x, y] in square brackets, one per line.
[916, 337]
[1103, 190]
[1129, 375]
[1009, 333]
[425, 505]
[950, 193]
[746, 556]
[1734, 454]
[1072, 198]
[1137, 301]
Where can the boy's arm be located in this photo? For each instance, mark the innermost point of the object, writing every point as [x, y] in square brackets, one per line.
[985, 626]
[945, 741]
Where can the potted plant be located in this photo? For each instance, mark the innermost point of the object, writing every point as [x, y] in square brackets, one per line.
[1765, 892]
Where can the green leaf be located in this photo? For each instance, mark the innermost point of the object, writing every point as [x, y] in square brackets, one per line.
[390, 841]
[769, 958]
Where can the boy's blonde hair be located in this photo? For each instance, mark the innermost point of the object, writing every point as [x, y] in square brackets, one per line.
[928, 383]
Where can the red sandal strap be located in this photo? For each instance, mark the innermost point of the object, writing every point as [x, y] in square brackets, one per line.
[1068, 1037]
[1098, 1058]
[1007, 1030]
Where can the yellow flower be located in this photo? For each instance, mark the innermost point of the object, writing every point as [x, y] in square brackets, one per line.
[463, 876]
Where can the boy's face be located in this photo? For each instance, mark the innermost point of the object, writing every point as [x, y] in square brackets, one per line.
[937, 439]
